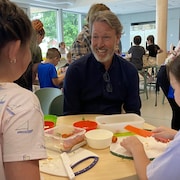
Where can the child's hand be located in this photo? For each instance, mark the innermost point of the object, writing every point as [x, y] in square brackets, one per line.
[164, 132]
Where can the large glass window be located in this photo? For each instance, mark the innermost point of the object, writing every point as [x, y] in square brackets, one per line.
[49, 19]
[70, 27]
[83, 18]
[69, 24]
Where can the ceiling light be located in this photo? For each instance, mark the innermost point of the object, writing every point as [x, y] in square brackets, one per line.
[69, 2]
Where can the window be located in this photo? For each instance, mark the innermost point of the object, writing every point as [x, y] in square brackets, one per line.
[70, 27]
[49, 20]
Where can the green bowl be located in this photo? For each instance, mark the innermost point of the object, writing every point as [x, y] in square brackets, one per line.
[50, 118]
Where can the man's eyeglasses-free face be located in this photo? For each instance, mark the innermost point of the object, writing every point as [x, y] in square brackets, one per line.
[107, 79]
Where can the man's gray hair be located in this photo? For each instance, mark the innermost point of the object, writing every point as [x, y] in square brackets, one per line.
[109, 18]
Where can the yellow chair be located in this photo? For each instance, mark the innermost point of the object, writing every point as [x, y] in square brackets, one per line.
[46, 96]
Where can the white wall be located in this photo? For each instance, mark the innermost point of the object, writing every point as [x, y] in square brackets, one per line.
[173, 29]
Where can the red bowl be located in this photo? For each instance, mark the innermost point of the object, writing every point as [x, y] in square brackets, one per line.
[86, 124]
[48, 125]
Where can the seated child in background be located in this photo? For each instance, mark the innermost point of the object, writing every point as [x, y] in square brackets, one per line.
[136, 53]
[47, 73]
[63, 50]
[63, 68]
[152, 50]
[68, 62]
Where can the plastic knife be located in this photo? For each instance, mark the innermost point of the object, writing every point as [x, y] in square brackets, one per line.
[66, 163]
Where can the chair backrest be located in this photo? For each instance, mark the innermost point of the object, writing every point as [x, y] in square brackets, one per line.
[56, 106]
[46, 96]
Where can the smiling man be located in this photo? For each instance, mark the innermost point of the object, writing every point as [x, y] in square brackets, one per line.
[102, 82]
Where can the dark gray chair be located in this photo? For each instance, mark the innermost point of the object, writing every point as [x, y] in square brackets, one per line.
[56, 106]
[46, 96]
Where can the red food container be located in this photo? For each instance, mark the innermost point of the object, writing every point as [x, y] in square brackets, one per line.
[86, 124]
[48, 125]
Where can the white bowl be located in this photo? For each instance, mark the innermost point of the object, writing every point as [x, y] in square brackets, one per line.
[99, 138]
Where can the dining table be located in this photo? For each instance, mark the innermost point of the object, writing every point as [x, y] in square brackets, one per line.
[108, 167]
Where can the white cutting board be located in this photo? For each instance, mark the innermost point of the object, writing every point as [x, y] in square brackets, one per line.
[53, 164]
[152, 147]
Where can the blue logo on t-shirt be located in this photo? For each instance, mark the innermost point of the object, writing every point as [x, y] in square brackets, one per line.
[171, 92]
[24, 128]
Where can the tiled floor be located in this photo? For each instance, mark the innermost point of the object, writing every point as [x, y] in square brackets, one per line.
[156, 115]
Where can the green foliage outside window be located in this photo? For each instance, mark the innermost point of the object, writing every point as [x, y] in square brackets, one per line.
[49, 19]
[70, 23]
[70, 27]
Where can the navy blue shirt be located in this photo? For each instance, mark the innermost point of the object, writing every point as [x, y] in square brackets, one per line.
[85, 89]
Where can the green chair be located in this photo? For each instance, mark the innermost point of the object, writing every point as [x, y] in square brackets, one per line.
[143, 80]
[56, 106]
[46, 96]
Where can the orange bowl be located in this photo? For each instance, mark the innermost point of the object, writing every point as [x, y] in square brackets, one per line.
[86, 124]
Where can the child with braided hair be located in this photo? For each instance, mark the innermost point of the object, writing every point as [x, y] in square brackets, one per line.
[21, 119]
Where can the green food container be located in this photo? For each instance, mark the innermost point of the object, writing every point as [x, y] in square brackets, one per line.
[50, 118]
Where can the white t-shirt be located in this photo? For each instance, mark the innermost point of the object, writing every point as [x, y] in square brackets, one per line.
[166, 166]
[21, 126]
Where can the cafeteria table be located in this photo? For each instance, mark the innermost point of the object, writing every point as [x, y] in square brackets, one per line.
[109, 166]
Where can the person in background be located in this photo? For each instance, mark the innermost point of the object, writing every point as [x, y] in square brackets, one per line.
[68, 59]
[152, 48]
[21, 119]
[166, 166]
[47, 73]
[164, 83]
[39, 36]
[82, 44]
[136, 53]
[28, 78]
[35, 48]
[63, 69]
[62, 48]
[102, 82]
